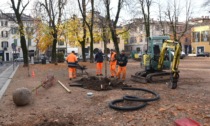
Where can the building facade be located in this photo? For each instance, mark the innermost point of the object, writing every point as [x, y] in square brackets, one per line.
[10, 39]
[200, 39]
[137, 41]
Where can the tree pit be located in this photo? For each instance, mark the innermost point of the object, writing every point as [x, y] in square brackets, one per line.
[99, 83]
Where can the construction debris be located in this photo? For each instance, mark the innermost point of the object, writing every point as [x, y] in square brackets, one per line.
[69, 91]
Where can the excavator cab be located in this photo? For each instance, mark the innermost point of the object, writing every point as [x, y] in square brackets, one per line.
[154, 48]
[158, 62]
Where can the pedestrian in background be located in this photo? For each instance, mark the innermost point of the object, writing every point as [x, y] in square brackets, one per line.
[99, 63]
[72, 64]
[122, 62]
[113, 63]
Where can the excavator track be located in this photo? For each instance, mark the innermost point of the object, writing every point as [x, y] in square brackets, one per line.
[139, 77]
[158, 77]
[144, 77]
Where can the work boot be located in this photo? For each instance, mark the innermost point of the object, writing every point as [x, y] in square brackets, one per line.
[69, 78]
[101, 74]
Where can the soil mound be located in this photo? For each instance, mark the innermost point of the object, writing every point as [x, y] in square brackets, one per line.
[99, 83]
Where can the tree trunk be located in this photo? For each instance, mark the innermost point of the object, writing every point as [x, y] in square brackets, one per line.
[23, 44]
[106, 56]
[54, 57]
[91, 47]
[24, 50]
[83, 50]
[114, 38]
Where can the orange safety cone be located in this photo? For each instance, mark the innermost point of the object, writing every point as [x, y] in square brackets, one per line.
[33, 74]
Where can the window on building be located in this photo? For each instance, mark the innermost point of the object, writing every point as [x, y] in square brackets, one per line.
[186, 40]
[204, 36]
[61, 43]
[138, 49]
[4, 34]
[15, 41]
[4, 44]
[118, 40]
[108, 41]
[4, 23]
[132, 39]
[196, 36]
[14, 30]
[29, 30]
[29, 41]
[157, 27]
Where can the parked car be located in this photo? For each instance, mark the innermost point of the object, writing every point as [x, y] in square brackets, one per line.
[202, 54]
[19, 59]
[86, 54]
[182, 55]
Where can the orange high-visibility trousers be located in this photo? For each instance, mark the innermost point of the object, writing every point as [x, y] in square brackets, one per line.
[113, 68]
[99, 67]
[72, 72]
[121, 70]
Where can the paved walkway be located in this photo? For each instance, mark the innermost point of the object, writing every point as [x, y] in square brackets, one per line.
[5, 78]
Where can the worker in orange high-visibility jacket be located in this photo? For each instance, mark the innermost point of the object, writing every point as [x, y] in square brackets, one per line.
[122, 62]
[99, 63]
[72, 64]
[113, 63]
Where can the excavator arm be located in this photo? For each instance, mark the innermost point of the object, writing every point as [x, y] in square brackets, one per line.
[176, 46]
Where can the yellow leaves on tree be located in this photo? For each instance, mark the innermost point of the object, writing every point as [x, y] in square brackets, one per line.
[44, 36]
[124, 33]
[73, 31]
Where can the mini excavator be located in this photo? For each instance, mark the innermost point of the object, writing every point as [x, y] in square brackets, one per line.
[159, 63]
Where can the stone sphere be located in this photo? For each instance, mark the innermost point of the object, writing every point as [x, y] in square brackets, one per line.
[22, 96]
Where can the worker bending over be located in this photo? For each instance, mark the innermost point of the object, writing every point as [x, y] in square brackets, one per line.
[122, 62]
[99, 63]
[113, 62]
[72, 64]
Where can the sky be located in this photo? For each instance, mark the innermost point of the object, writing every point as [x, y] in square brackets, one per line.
[198, 10]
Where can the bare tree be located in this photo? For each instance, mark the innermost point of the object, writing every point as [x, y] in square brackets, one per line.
[145, 9]
[54, 11]
[173, 12]
[113, 23]
[160, 17]
[88, 24]
[83, 41]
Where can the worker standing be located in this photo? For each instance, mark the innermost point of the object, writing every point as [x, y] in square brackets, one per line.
[72, 64]
[113, 62]
[99, 63]
[122, 62]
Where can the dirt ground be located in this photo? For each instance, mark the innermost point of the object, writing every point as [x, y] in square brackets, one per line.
[56, 107]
